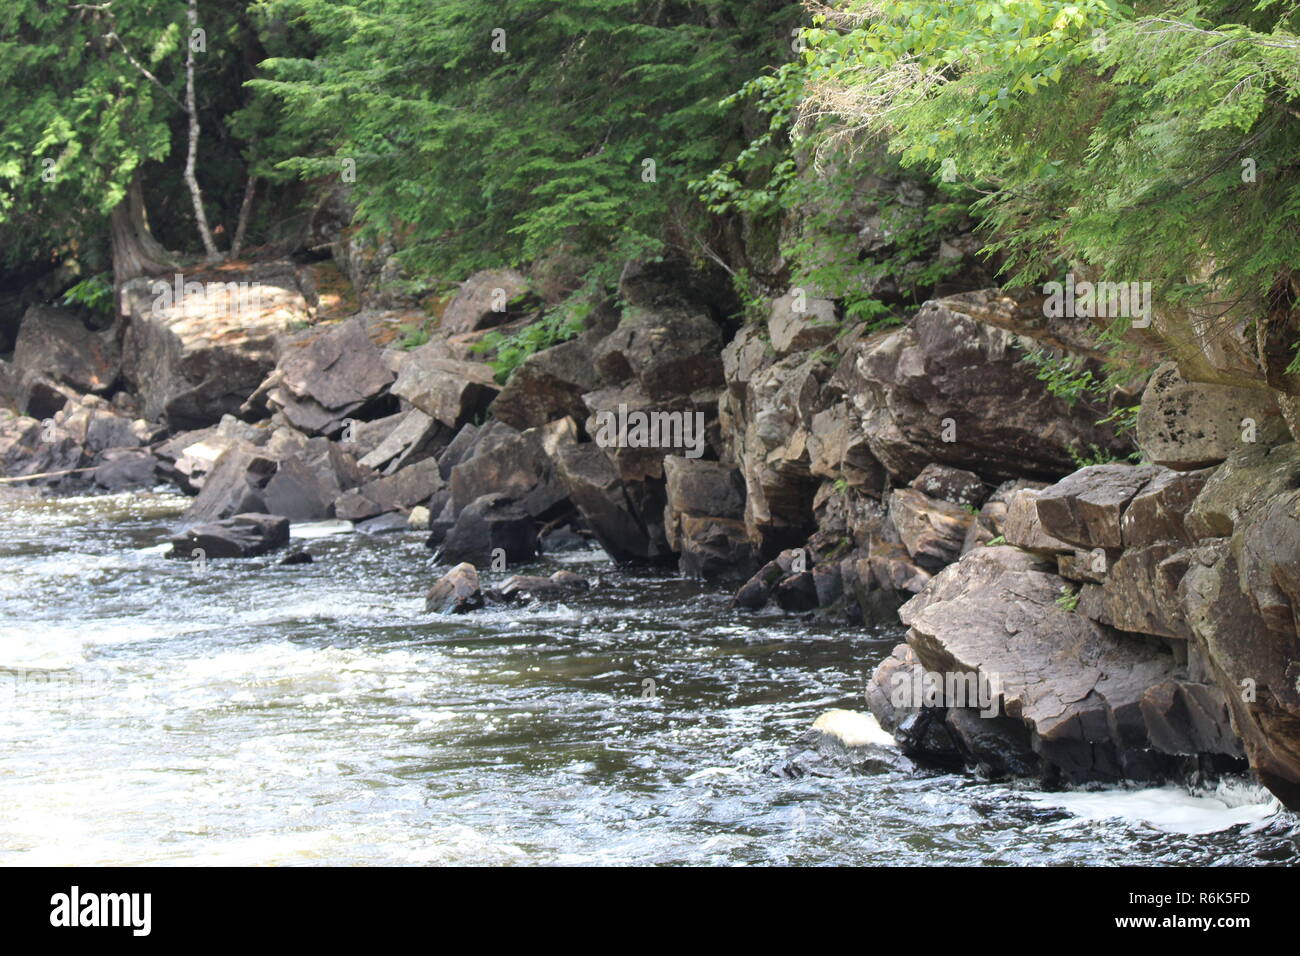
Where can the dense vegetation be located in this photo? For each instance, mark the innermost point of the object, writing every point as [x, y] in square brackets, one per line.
[1150, 141]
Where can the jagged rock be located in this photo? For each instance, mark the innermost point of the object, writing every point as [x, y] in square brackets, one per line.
[548, 385]
[798, 322]
[31, 447]
[1254, 665]
[289, 474]
[1021, 527]
[518, 466]
[1158, 512]
[758, 590]
[1250, 477]
[449, 391]
[94, 424]
[525, 587]
[397, 492]
[484, 301]
[1191, 718]
[714, 549]
[768, 418]
[627, 532]
[413, 438]
[122, 468]
[796, 592]
[196, 356]
[57, 345]
[1189, 425]
[838, 449]
[1085, 508]
[243, 536]
[330, 378]
[1139, 592]
[931, 530]
[186, 458]
[893, 568]
[950, 484]
[456, 592]
[950, 390]
[670, 351]
[488, 523]
[40, 397]
[1075, 685]
[702, 519]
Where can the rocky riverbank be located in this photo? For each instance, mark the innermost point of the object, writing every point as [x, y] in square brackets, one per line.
[1113, 621]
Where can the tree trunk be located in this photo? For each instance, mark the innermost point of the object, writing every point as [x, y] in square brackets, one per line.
[245, 208]
[135, 250]
[191, 157]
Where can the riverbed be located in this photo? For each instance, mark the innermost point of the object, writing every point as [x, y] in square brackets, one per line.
[246, 713]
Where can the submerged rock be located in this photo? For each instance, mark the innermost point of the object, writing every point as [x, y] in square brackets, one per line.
[243, 536]
[456, 592]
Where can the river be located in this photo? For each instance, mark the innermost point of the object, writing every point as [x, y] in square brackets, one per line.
[248, 713]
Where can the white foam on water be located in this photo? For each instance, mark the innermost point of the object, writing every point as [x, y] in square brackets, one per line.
[1171, 809]
[320, 529]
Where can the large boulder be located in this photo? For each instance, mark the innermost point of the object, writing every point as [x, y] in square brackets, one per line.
[449, 391]
[241, 536]
[548, 385]
[325, 381]
[489, 527]
[456, 592]
[952, 390]
[56, 344]
[195, 354]
[1075, 685]
[484, 300]
[518, 465]
[1189, 425]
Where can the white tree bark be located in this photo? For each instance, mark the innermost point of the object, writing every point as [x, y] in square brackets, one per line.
[191, 158]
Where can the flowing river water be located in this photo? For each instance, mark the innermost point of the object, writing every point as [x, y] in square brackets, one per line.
[154, 713]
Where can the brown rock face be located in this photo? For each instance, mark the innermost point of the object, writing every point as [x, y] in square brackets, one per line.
[1085, 508]
[948, 389]
[55, 344]
[1076, 686]
[196, 353]
[1189, 425]
[446, 390]
[484, 301]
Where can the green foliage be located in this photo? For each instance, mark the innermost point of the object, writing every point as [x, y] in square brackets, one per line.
[559, 325]
[488, 155]
[1101, 132]
[413, 335]
[94, 294]
[780, 172]
[1069, 599]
